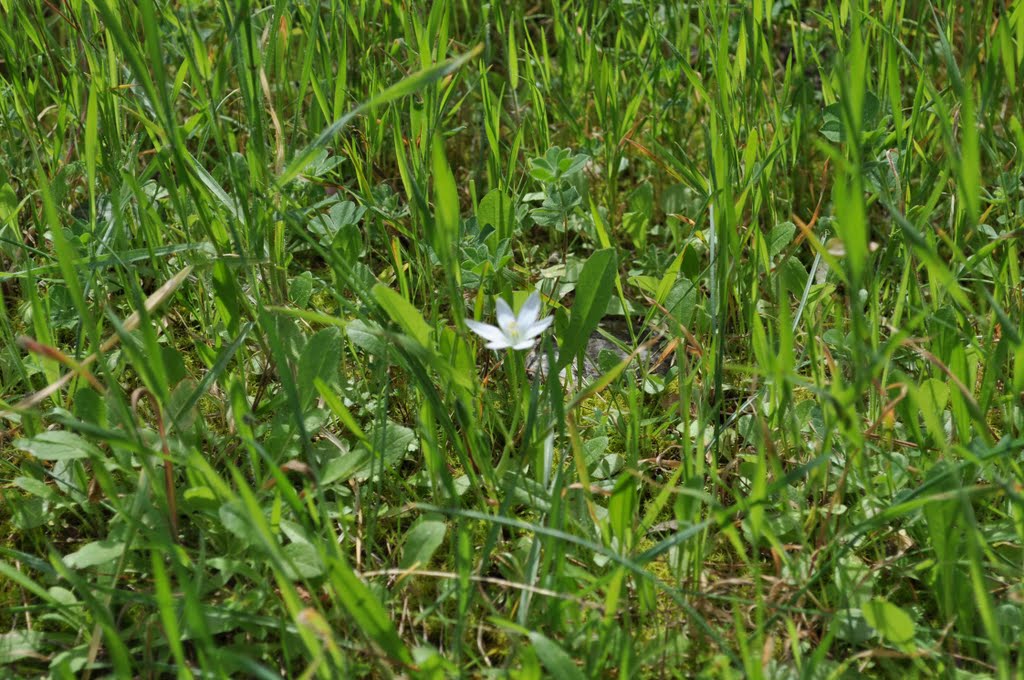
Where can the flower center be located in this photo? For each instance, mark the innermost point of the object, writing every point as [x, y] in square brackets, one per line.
[512, 331]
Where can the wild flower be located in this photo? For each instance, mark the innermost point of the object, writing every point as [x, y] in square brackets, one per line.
[517, 332]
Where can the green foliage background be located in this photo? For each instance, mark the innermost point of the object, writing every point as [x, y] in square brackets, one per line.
[244, 430]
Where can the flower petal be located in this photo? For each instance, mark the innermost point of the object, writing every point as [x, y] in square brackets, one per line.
[529, 312]
[525, 344]
[538, 327]
[504, 313]
[486, 331]
[503, 343]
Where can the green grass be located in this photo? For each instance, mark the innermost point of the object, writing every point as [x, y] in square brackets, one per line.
[245, 431]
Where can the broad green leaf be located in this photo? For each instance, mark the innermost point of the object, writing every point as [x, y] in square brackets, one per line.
[343, 214]
[780, 236]
[682, 301]
[636, 225]
[200, 498]
[421, 542]
[234, 518]
[341, 467]
[95, 553]
[58, 445]
[556, 164]
[174, 365]
[593, 291]
[366, 336]
[302, 561]
[337, 406]
[390, 444]
[832, 129]
[300, 289]
[648, 284]
[794, 276]
[891, 622]
[851, 627]
[37, 487]
[496, 210]
[595, 448]
[555, 659]
[321, 358]
[21, 644]
[382, 450]
[403, 313]
[28, 513]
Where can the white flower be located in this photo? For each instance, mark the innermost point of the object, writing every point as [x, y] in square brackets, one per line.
[517, 332]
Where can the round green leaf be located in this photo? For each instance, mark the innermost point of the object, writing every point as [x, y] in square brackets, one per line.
[302, 561]
[421, 542]
[891, 622]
